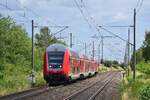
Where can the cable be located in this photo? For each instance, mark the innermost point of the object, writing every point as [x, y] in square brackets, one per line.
[137, 3]
[33, 12]
[140, 6]
[114, 34]
[60, 31]
[90, 26]
[96, 25]
[13, 10]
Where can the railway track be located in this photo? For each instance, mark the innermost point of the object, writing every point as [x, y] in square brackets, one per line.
[92, 91]
[47, 93]
[28, 93]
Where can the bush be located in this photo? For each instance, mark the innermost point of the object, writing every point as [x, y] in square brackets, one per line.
[145, 93]
[115, 66]
[108, 63]
[144, 67]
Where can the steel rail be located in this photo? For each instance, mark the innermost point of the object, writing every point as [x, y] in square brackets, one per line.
[27, 93]
[84, 89]
[101, 88]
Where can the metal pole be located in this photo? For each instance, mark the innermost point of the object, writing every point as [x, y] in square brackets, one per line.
[70, 40]
[134, 30]
[102, 49]
[128, 50]
[33, 73]
[85, 49]
[99, 53]
[93, 50]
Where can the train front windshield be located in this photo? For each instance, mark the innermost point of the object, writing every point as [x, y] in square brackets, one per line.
[55, 60]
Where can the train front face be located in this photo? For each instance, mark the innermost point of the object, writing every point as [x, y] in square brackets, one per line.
[54, 64]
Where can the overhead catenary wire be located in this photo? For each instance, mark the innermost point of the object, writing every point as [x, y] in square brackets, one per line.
[11, 9]
[140, 6]
[33, 12]
[114, 34]
[60, 31]
[96, 25]
[55, 25]
[85, 18]
[106, 29]
[137, 4]
[113, 52]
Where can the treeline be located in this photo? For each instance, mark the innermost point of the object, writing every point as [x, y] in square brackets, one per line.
[139, 89]
[143, 56]
[114, 63]
[15, 55]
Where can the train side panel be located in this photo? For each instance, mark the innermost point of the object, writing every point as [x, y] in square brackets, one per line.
[66, 65]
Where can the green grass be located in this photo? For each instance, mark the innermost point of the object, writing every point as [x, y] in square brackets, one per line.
[16, 79]
[131, 90]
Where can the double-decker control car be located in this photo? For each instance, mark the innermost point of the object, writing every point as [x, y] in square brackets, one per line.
[63, 64]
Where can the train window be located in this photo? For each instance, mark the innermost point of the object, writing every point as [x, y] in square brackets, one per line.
[80, 63]
[87, 67]
[55, 59]
[73, 70]
[78, 70]
[71, 62]
[92, 68]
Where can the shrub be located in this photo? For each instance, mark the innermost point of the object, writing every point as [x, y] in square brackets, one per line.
[145, 93]
[108, 63]
[144, 67]
[115, 66]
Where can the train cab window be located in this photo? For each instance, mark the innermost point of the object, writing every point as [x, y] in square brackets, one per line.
[55, 60]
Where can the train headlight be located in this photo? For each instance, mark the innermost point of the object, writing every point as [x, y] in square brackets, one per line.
[60, 66]
[50, 66]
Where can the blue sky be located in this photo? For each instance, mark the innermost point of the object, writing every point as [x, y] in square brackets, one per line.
[101, 12]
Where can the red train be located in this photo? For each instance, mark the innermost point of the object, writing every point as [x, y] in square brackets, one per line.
[63, 64]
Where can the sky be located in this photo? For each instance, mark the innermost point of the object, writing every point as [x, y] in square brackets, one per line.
[96, 12]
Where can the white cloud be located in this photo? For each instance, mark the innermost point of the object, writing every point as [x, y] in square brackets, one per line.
[24, 2]
[120, 17]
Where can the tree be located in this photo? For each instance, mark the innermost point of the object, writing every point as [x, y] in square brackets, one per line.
[45, 38]
[146, 47]
[107, 63]
[15, 48]
[123, 65]
[139, 57]
[14, 41]
[115, 62]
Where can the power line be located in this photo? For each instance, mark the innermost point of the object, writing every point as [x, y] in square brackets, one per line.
[11, 9]
[113, 52]
[60, 30]
[81, 11]
[33, 12]
[140, 6]
[114, 34]
[96, 25]
[137, 4]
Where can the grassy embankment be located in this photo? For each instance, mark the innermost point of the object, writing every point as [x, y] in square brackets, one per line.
[138, 89]
[105, 69]
[17, 77]
[19, 81]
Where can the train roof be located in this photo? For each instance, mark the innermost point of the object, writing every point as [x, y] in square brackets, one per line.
[56, 46]
[61, 47]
